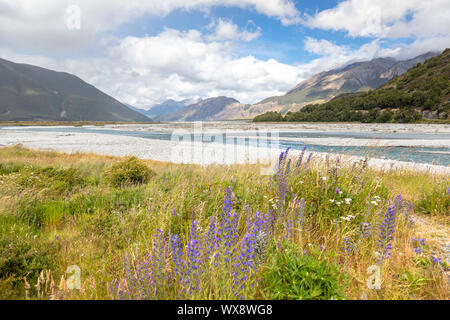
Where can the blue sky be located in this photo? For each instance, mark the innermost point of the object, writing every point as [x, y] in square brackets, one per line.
[144, 52]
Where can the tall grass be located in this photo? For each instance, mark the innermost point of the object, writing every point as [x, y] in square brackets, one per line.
[309, 231]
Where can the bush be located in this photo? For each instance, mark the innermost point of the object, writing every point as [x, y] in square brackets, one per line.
[292, 275]
[131, 171]
[23, 255]
[10, 167]
[58, 181]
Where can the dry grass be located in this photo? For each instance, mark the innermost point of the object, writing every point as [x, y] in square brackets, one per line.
[106, 223]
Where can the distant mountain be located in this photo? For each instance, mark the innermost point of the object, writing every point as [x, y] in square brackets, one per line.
[31, 93]
[359, 76]
[421, 92]
[208, 109]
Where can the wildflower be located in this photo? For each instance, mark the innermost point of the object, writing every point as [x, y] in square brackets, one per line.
[374, 203]
[324, 178]
[436, 260]
[332, 200]
[300, 159]
[338, 191]
[385, 236]
[348, 200]
[193, 261]
[417, 243]
[348, 247]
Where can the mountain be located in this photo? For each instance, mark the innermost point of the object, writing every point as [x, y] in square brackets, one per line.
[208, 109]
[169, 106]
[421, 92]
[359, 76]
[31, 93]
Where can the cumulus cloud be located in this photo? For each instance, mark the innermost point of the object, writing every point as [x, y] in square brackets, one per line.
[177, 64]
[386, 19]
[174, 64]
[28, 24]
[227, 30]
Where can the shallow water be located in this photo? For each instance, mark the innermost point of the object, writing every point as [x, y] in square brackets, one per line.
[325, 141]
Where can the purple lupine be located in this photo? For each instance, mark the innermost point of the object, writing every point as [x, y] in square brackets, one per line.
[301, 212]
[228, 226]
[193, 259]
[300, 159]
[289, 226]
[398, 202]
[252, 250]
[177, 257]
[288, 168]
[386, 235]
[436, 260]
[417, 243]
[244, 265]
[407, 209]
[348, 247]
[212, 241]
[281, 179]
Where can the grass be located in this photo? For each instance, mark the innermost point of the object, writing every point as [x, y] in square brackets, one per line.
[213, 232]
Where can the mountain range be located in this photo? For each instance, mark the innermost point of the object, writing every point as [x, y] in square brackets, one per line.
[320, 88]
[31, 93]
[422, 92]
[358, 76]
[208, 109]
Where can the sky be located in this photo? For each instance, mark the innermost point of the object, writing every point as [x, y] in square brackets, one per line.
[145, 52]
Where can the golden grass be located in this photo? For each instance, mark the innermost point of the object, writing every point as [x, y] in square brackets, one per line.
[97, 242]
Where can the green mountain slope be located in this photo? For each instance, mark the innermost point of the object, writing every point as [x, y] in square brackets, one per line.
[31, 93]
[422, 92]
[358, 76]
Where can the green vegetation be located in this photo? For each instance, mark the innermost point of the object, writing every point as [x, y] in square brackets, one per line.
[422, 92]
[31, 93]
[292, 275]
[131, 171]
[296, 234]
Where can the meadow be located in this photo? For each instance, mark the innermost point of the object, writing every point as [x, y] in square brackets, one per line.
[141, 229]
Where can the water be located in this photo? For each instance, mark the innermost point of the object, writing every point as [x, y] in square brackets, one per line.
[431, 155]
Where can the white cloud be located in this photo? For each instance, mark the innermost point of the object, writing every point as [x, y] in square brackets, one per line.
[31, 24]
[174, 64]
[385, 18]
[323, 47]
[227, 30]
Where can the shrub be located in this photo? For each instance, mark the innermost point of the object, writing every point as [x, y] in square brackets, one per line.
[56, 180]
[291, 275]
[10, 167]
[23, 256]
[130, 171]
